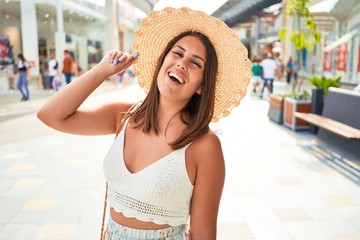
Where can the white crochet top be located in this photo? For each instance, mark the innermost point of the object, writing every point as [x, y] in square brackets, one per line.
[160, 193]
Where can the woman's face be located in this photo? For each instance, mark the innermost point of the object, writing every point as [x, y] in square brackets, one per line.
[181, 74]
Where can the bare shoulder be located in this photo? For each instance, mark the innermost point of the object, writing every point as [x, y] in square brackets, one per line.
[208, 140]
[207, 150]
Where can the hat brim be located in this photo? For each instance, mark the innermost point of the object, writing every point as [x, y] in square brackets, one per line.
[160, 27]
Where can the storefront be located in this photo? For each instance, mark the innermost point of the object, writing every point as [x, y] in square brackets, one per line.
[342, 58]
[36, 29]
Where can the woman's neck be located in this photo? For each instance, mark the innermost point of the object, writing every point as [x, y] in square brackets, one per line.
[168, 116]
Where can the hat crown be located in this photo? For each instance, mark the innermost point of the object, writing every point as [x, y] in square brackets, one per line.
[234, 67]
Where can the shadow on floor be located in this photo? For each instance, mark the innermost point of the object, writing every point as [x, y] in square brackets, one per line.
[345, 163]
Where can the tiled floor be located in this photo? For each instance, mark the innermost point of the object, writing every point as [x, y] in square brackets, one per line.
[52, 187]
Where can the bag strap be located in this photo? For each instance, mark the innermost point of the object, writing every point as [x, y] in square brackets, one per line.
[103, 233]
[118, 129]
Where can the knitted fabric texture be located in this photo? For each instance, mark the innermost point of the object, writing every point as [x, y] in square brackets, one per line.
[159, 193]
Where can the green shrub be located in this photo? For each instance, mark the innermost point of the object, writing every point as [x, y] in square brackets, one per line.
[324, 82]
[299, 95]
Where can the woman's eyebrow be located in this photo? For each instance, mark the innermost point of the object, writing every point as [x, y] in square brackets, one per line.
[195, 56]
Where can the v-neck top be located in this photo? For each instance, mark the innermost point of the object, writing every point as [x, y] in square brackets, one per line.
[160, 193]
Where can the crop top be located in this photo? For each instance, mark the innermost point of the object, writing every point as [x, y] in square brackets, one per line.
[160, 193]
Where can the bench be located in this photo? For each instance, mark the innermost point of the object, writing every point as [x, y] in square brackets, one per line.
[336, 127]
[339, 123]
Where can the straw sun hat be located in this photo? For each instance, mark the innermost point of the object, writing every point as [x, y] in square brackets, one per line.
[160, 27]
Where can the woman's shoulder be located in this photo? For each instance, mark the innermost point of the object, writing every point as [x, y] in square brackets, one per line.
[207, 139]
[207, 144]
[206, 153]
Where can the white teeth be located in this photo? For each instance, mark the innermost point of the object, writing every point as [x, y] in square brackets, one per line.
[171, 74]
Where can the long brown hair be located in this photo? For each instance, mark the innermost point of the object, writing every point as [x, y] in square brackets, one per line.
[197, 113]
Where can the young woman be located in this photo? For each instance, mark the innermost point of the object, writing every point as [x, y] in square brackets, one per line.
[166, 166]
[23, 79]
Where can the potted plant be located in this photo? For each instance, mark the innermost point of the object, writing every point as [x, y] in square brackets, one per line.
[296, 102]
[324, 82]
[321, 89]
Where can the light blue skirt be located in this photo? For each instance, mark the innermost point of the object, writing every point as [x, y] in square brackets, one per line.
[115, 231]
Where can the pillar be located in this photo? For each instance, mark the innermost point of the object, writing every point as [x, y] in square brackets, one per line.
[60, 34]
[257, 34]
[112, 30]
[29, 34]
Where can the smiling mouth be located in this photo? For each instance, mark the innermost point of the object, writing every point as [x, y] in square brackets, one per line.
[176, 78]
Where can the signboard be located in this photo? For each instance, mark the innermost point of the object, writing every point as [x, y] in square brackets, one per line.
[341, 57]
[328, 61]
[5, 50]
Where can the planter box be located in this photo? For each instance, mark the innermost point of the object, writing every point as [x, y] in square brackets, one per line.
[276, 108]
[292, 105]
[317, 104]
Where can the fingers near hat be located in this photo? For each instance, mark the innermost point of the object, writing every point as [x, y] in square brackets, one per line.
[234, 67]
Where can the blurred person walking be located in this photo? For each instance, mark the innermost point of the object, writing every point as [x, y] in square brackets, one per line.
[289, 70]
[43, 72]
[269, 65]
[67, 66]
[52, 71]
[23, 79]
[257, 73]
[295, 73]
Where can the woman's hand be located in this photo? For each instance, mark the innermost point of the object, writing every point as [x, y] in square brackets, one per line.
[62, 111]
[115, 61]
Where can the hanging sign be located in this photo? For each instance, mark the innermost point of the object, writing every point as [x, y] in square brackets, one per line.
[341, 57]
[328, 61]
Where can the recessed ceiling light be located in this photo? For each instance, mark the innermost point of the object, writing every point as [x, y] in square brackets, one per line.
[47, 15]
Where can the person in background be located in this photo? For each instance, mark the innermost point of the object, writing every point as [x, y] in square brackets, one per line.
[289, 70]
[67, 66]
[165, 168]
[52, 70]
[23, 80]
[269, 65]
[43, 72]
[280, 68]
[257, 73]
[295, 73]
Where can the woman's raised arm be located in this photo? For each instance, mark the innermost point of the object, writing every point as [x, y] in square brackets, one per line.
[62, 113]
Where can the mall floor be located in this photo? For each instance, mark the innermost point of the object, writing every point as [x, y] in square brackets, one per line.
[52, 185]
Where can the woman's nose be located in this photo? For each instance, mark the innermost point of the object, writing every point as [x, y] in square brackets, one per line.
[181, 65]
